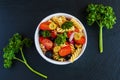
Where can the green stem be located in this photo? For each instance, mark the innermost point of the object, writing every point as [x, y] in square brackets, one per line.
[34, 71]
[30, 68]
[22, 55]
[19, 59]
[100, 40]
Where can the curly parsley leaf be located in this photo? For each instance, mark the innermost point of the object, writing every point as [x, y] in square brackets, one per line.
[46, 33]
[104, 16]
[15, 46]
[67, 25]
[61, 39]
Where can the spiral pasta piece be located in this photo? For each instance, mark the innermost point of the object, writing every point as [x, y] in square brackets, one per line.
[60, 30]
[72, 48]
[76, 24]
[43, 48]
[56, 56]
[75, 54]
[78, 45]
[59, 20]
[61, 59]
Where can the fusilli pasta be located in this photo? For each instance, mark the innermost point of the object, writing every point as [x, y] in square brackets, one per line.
[60, 30]
[61, 59]
[72, 48]
[43, 48]
[76, 24]
[78, 45]
[59, 20]
[75, 54]
[56, 56]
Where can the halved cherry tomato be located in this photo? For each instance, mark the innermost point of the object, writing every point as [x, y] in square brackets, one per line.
[40, 39]
[54, 34]
[64, 51]
[45, 26]
[47, 43]
[81, 40]
[69, 33]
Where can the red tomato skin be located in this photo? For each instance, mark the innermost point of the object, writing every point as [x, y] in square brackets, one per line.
[47, 43]
[40, 39]
[53, 34]
[81, 40]
[65, 51]
[44, 26]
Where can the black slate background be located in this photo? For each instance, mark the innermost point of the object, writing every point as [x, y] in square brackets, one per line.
[23, 16]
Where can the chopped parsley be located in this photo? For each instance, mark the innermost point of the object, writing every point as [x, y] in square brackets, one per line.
[67, 25]
[61, 39]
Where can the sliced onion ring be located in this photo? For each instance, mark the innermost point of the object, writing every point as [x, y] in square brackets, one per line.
[71, 37]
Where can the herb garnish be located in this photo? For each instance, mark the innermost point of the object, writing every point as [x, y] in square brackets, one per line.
[104, 16]
[67, 25]
[16, 45]
[61, 38]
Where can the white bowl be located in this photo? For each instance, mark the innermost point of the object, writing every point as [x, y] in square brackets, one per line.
[36, 39]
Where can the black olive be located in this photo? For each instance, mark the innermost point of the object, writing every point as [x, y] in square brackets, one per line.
[40, 32]
[52, 39]
[68, 56]
[49, 54]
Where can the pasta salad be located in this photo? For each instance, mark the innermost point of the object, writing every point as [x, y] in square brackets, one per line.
[61, 38]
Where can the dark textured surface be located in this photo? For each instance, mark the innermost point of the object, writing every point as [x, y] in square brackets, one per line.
[23, 16]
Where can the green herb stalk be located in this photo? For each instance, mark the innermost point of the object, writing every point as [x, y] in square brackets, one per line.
[16, 44]
[104, 16]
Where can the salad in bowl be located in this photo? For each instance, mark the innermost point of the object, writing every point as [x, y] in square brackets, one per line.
[60, 38]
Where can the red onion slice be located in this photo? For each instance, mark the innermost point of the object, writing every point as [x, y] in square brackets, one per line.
[71, 37]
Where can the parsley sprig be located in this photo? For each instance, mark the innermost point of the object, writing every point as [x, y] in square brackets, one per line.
[16, 45]
[104, 16]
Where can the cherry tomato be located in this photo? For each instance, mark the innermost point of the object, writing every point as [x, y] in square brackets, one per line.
[47, 43]
[81, 40]
[40, 39]
[45, 26]
[53, 34]
[64, 51]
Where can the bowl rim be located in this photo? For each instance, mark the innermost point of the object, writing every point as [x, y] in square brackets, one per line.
[36, 38]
